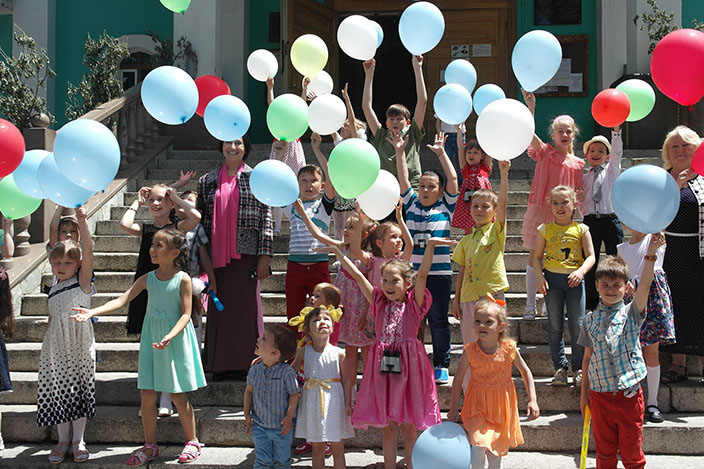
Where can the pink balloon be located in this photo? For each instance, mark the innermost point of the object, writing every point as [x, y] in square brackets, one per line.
[677, 66]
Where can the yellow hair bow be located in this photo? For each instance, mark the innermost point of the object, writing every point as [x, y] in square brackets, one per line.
[335, 315]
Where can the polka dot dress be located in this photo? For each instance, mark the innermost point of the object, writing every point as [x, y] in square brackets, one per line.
[66, 385]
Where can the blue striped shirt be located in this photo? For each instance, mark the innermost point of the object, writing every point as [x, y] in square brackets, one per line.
[272, 387]
[430, 222]
[302, 244]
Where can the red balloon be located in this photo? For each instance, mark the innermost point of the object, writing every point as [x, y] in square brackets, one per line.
[11, 148]
[209, 87]
[611, 107]
[698, 161]
[677, 66]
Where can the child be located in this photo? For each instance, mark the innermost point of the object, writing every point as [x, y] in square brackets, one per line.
[555, 165]
[398, 119]
[428, 214]
[659, 325]
[476, 168]
[7, 326]
[490, 410]
[271, 397]
[611, 384]
[568, 251]
[169, 353]
[62, 228]
[595, 206]
[326, 401]
[397, 386]
[66, 381]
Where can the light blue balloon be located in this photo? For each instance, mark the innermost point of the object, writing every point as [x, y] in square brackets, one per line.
[443, 446]
[87, 153]
[273, 183]
[170, 95]
[646, 198]
[486, 94]
[26, 173]
[421, 27]
[379, 33]
[227, 118]
[461, 72]
[452, 104]
[57, 187]
[535, 59]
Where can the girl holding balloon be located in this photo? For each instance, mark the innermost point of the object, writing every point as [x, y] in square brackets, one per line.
[476, 169]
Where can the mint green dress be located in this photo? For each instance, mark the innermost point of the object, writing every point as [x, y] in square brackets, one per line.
[177, 368]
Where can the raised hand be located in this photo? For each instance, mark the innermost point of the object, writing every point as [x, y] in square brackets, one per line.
[270, 82]
[369, 66]
[315, 140]
[81, 214]
[344, 93]
[417, 60]
[504, 166]
[657, 240]
[398, 143]
[143, 195]
[529, 99]
[280, 149]
[438, 146]
[187, 176]
[298, 206]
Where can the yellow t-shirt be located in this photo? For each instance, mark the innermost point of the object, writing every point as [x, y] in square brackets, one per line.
[481, 253]
[563, 246]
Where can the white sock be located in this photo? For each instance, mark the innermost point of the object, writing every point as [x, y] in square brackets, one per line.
[79, 428]
[165, 400]
[278, 217]
[63, 430]
[531, 287]
[653, 379]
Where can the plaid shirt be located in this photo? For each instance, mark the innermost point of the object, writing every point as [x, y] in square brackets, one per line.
[272, 387]
[195, 239]
[255, 233]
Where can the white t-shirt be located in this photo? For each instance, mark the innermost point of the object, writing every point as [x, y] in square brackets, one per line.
[633, 255]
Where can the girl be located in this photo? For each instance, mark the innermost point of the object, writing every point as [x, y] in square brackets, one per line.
[169, 355]
[567, 246]
[398, 385]
[62, 228]
[659, 325]
[555, 165]
[325, 404]
[7, 326]
[490, 410]
[476, 168]
[66, 381]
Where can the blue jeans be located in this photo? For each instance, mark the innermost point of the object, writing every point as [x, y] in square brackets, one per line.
[440, 287]
[452, 152]
[271, 448]
[560, 294]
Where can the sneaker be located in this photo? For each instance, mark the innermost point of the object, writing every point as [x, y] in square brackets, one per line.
[577, 378]
[335, 267]
[529, 313]
[441, 375]
[303, 448]
[328, 449]
[165, 412]
[560, 378]
[544, 310]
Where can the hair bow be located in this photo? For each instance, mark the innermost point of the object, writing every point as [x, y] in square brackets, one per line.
[300, 320]
[498, 302]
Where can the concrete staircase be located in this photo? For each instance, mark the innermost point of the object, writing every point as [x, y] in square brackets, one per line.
[220, 420]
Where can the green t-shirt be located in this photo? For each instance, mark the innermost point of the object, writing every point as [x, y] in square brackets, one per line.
[387, 154]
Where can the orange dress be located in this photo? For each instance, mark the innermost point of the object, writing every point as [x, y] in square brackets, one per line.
[490, 411]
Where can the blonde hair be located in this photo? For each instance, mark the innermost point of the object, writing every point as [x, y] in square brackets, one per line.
[565, 119]
[686, 134]
[570, 193]
[498, 311]
[68, 248]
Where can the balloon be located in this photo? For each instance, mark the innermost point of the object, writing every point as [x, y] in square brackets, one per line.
[57, 187]
[320, 84]
[209, 87]
[287, 117]
[486, 94]
[677, 66]
[227, 118]
[505, 128]
[11, 147]
[380, 199]
[309, 54]
[536, 57]
[641, 96]
[698, 160]
[611, 107]
[646, 198]
[326, 114]
[169, 95]
[14, 203]
[177, 6]
[357, 37]
[353, 167]
[273, 183]
[461, 72]
[443, 445]
[421, 27]
[262, 65]
[452, 104]
[379, 33]
[26, 173]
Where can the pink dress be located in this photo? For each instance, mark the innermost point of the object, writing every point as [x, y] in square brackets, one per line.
[355, 305]
[476, 176]
[406, 397]
[552, 169]
[374, 270]
[294, 157]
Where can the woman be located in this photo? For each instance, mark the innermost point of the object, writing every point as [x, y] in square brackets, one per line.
[241, 244]
[684, 256]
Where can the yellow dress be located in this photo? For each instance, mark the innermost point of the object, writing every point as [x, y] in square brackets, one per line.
[490, 411]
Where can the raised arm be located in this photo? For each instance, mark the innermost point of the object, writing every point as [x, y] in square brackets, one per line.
[401, 164]
[8, 245]
[269, 91]
[503, 192]
[315, 141]
[185, 318]
[461, 154]
[616, 151]
[86, 273]
[367, 108]
[84, 314]
[356, 242]
[438, 147]
[421, 92]
[313, 228]
[646, 277]
[405, 232]
[183, 179]
[54, 226]
[529, 99]
[192, 215]
[127, 223]
[350, 110]
[364, 285]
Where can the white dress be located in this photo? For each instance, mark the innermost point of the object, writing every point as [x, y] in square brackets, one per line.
[311, 424]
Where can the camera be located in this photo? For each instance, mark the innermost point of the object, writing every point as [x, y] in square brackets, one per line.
[420, 239]
[391, 362]
[468, 195]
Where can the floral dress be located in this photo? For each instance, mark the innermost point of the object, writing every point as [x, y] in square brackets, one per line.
[475, 177]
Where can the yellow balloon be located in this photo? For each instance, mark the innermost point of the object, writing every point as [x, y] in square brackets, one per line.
[309, 54]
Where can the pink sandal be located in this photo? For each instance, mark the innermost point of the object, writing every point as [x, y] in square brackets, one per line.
[190, 452]
[139, 458]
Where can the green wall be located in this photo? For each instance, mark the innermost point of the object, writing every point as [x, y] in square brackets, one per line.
[692, 9]
[6, 33]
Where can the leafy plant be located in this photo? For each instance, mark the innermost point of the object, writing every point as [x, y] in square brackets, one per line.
[165, 51]
[658, 24]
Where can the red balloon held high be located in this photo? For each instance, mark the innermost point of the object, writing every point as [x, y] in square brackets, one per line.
[209, 87]
[611, 107]
[677, 66]
[11, 148]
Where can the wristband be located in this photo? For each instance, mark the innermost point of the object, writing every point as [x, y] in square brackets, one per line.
[652, 258]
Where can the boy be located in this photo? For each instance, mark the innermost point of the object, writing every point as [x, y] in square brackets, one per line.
[398, 119]
[611, 381]
[595, 201]
[428, 215]
[271, 397]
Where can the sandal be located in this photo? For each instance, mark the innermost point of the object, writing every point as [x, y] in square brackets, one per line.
[190, 452]
[58, 453]
[673, 377]
[140, 458]
[80, 453]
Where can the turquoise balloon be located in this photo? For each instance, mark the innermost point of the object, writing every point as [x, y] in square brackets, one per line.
[353, 167]
[273, 183]
[461, 72]
[227, 118]
[26, 173]
[169, 95]
[535, 59]
[444, 445]
[421, 27]
[486, 94]
[14, 203]
[379, 33]
[452, 104]
[57, 187]
[287, 117]
[641, 96]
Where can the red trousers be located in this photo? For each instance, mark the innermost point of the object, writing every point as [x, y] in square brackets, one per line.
[300, 282]
[617, 425]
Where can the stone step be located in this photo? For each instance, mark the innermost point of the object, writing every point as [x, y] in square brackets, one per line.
[112, 356]
[121, 243]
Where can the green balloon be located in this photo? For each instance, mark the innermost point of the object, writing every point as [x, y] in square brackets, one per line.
[353, 167]
[177, 6]
[287, 117]
[14, 203]
[642, 98]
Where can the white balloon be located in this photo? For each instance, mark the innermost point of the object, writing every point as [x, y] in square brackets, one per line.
[320, 84]
[357, 37]
[380, 199]
[505, 128]
[262, 65]
[326, 114]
